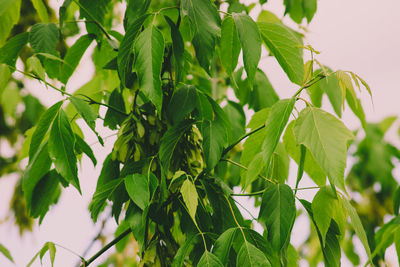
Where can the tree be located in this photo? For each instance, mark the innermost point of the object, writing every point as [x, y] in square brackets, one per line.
[183, 144]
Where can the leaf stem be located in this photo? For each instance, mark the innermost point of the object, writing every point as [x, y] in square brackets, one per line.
[226, 150]
[105, 248]
[245, 168]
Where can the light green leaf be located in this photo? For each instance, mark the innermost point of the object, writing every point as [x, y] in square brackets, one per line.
[183, 102]
[36, 67]
[10, 51]
[94, 10]
[74, 55]
[229, 45]
[5, 75]
[279, 168]
[256, 166]
[326, 137]
[137, 186]
[250, 40]
[357, 225]
[169, 141]
[278, 212]
[41, 10]
[9, 16]
[48, 246]
[250, 256]
[103, 192]
[309, 7]
[125, 57]
[190, 197]
[87, 113]
[267, 16]
[222, 245]
[149, 52]
[6, 253]
[209, 260]
[61, 149]
[263, 94]
[284, 45]
[205, 20]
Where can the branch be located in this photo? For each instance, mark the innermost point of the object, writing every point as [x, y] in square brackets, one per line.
[105, 248]
[226, 150]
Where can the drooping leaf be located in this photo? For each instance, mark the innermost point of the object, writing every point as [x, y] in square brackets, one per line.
[237, 118]
[42, 128]
[309, 7]
[74, 55]
[103, 192]
[222, 245]
[85, 148]
[250, 256]
[41, 10]
[330, 85]
[209, 260]
[284, 45]
[263, 94]
[178, 49]
[206, 22]
[170, 140]
[36, 67]
[190, 197]
[9, 16]
[250, 40]
[51, 248]
[137, 186]
[184, 250]
[125, 56]
[6, 253]
[183, 102]
[61, 149]
[214, 139]
[112, 117]
[229, 45]
[357, 225]
[279, 167]
[87, 113]
[149, 51]
[326, 137]
[10, 51]
[278, 212]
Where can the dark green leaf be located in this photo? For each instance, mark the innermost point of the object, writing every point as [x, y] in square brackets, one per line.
[229, 45]
[137, 221]
[209, 260]
[85, 148]
[137, 186]
[178, 49]
[149, 52]
[114, 118]
[214, 140]
[103, 192]
[278, 212]
[125, 57]
[134, 10]
[250, 256]
[183, 250]
[61, 149]
[222, 245]
[6, 253]
[74, 55]
[94, 10]
[206, 23]
[284, 45]
[300, 170]
[263, 94]
[237, 118]
[44, 37]
[63, 11]
[183, 102]
[250, 40]
[10, 51]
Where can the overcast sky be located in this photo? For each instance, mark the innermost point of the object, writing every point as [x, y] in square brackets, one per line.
[357, 35]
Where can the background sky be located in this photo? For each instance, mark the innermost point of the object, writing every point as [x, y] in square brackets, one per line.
[357, 35]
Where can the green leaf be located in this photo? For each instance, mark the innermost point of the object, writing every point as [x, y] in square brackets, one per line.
[74, 55]
[44, 194]
[10, 51]
[44, 37]
[178, 48]
[137, 186]
[112, 117]
[284, 45]
[330, 85]
[87, 113]
[396, 201]
[183, 102]
[263, 94]
[48, 246]
[311, 167]
[169, 141]
[278, 212]
[250, 40]
[237, 118]
[125, 57]
[183, 250]
[41, 10]
[209, 260]
[85, 148]
[9, 16]
[357, 225]
[223, 244]
[134, 10]
[36, 67]
[309, 7]
[42, 128]
[279, 168]
[94, 10]
[38, 166]
[205, 20]
[61, 149]
[326, 137]
[214, 139]
[103, 192]
[229, 45]
[190, 197]
[6, 253]
[149, 52]
[250, 256]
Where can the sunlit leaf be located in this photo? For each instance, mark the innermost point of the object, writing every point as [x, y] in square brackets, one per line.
[190, 197]
[229, 45]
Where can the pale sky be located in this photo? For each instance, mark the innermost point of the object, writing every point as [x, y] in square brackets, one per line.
[357, 35]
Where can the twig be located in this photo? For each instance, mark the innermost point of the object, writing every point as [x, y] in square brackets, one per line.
[226, 150]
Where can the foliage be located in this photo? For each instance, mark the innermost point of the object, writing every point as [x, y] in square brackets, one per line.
[182, 143]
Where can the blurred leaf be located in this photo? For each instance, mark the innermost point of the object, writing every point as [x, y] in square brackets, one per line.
[41, 10]
[9, 16]
[10, 51]
[6, 253]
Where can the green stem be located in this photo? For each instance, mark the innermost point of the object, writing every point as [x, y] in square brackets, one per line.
[245, 168]
[226, 150]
